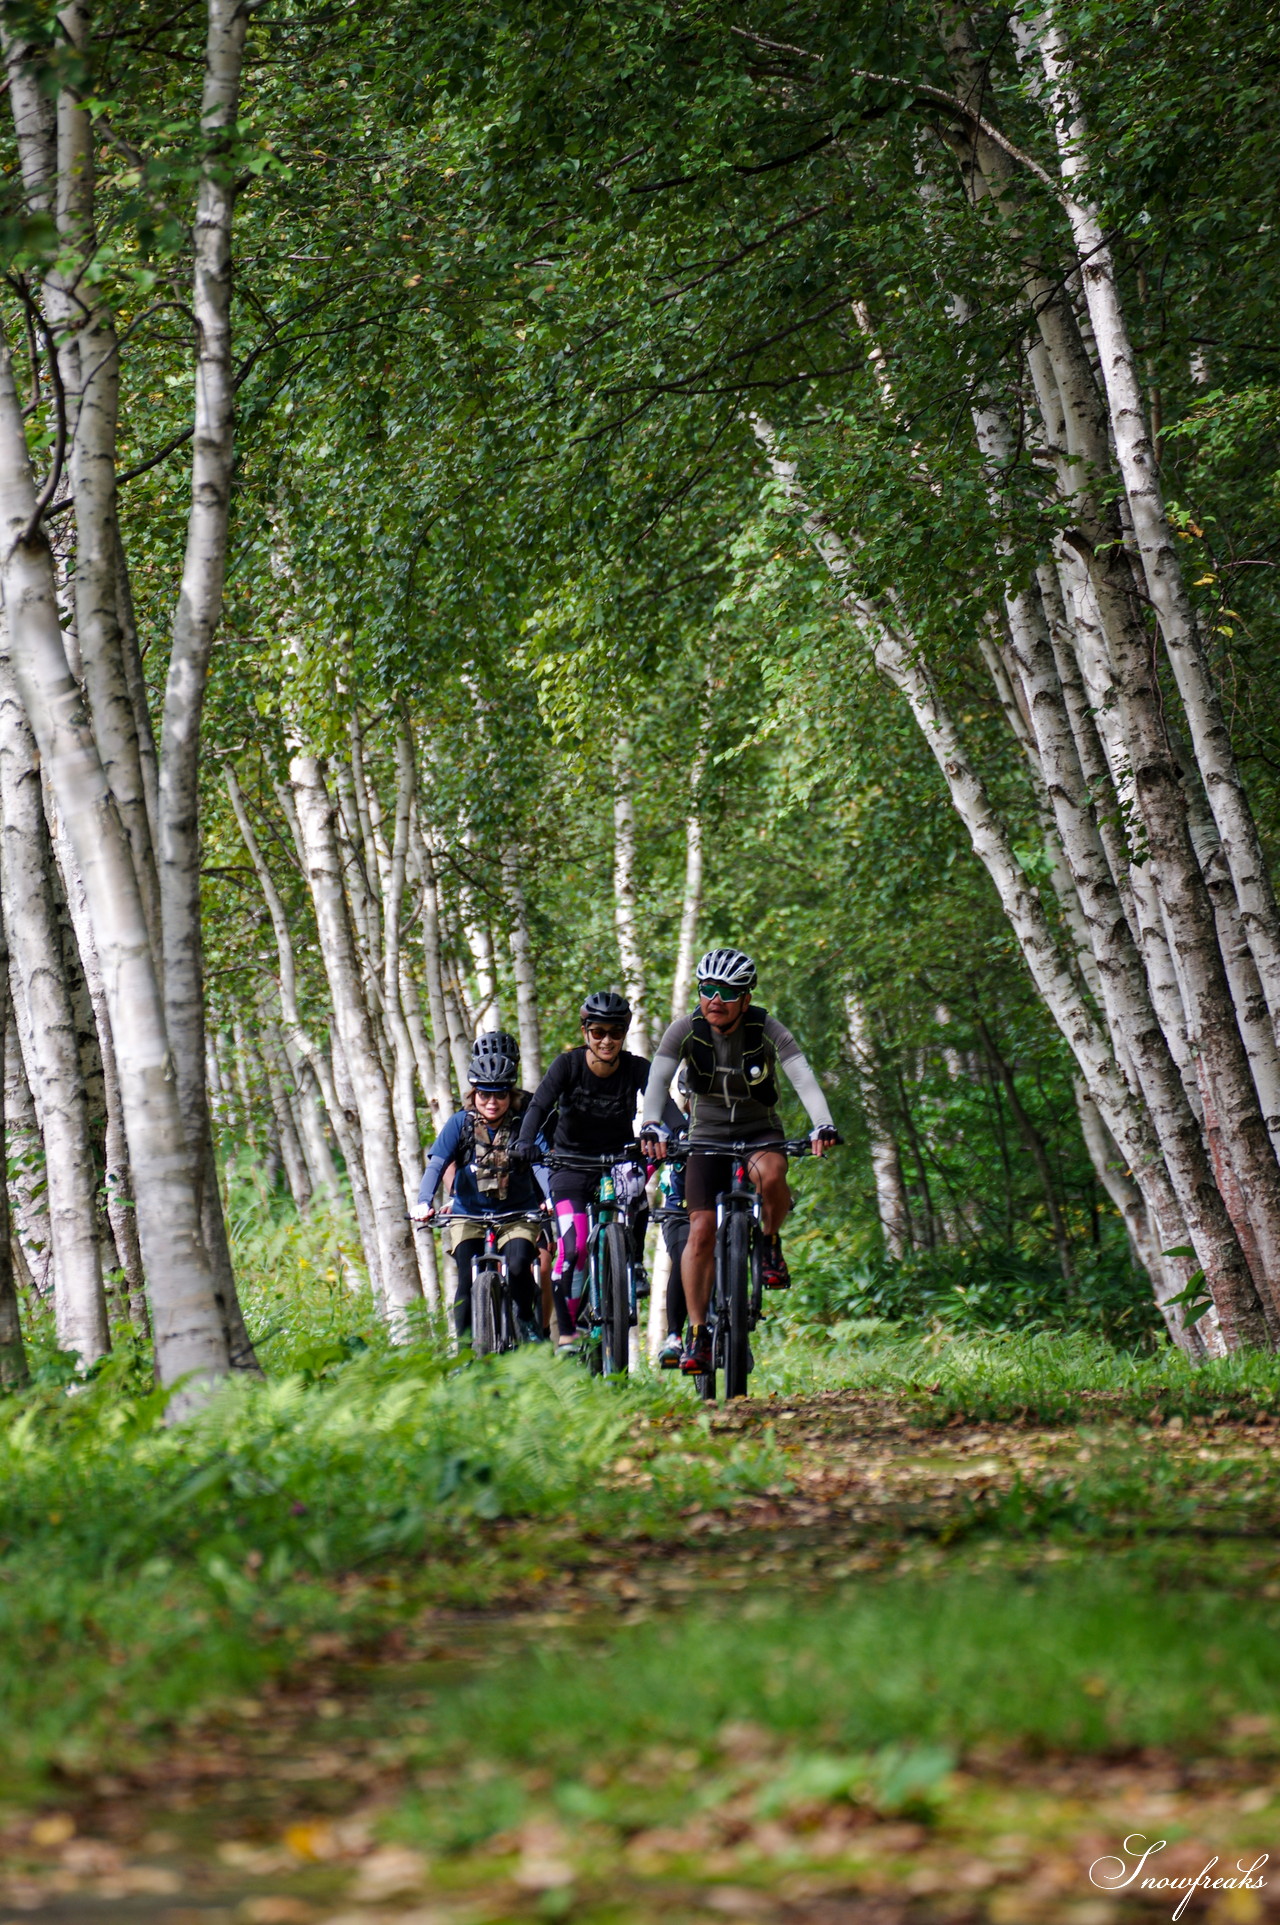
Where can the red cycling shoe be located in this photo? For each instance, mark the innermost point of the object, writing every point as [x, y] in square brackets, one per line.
[697, 1359]
[774, 1272]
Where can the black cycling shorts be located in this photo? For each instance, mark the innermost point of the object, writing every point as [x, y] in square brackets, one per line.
[707, 1176]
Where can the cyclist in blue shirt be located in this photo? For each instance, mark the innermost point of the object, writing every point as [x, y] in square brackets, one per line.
[478, 1141]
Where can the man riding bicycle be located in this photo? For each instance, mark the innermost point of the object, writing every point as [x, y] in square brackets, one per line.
[478, 1140]
[591, 1092]
[730, 1052]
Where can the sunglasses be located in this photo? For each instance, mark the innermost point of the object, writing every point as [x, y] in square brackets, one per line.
[719, 993]
[599, 1035]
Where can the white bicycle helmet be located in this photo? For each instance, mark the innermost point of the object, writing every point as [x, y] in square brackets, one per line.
[729, 967]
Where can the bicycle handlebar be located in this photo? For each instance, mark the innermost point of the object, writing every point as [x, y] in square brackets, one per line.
[442, 1217]
[572, 1160]
[792, 1146]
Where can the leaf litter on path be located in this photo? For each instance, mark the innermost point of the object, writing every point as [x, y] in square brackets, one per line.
[300, 1807]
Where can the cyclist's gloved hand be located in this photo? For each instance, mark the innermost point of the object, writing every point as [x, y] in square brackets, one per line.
[520, 1156]
[653, 1141]
[823, 1138]
[423, 1212]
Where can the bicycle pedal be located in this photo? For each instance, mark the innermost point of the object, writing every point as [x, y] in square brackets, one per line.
[783, 1283]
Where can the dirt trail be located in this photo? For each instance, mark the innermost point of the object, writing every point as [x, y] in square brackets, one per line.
[269, 1812]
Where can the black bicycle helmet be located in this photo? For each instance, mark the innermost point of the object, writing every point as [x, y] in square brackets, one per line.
[495, 1061]
[606, 1006]
[728, 966]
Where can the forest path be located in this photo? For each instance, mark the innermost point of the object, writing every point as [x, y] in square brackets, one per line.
[305, 1805]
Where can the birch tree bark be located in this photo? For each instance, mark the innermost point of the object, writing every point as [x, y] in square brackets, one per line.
[190, 1328]
[297, 1036]
[624, 897]
[1162, 570]
[354, 1029]
[195, 622]
[99, 569]
[296, 1173]
[13, 1356]
[1126, 1002]
[54, 1067]
[404, 1100]
[432, 969]
[528, 1026]
[691, 895]
[892, 1206]
[1240, 1313]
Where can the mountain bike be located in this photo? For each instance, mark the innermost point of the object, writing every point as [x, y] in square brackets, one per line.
[615, 1271]
[495, 1326]
[737, 1292]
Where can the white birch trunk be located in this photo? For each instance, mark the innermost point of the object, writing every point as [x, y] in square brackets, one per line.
[528, 1026]
[886, 1164]
[54, 1066]
[346, 1123]
[1161, 567]
[404, 1100]
[298, 1038]
[92, 467]
[297, 1175]
[306, 1101]
[30, 1234]
[691, 896]
[396, 1257]
[195, 621]
[459, 1027]
[624, 898]
[1109, 1168]
[902, 664]
[13, 1356]
[1127, 1005]
[440, 1091]
[190, 1331]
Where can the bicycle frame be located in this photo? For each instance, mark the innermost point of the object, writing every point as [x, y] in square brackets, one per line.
[490, 1255]
[741, 1199]
[604, 1209]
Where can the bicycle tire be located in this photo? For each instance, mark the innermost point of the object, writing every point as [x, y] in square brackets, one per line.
[506, 1324]
[484, 1311]
[736, 1302]
[615, 1302]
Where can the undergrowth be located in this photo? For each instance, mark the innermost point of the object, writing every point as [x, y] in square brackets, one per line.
[869, 1693]
[143, 1568]
[990, 1376]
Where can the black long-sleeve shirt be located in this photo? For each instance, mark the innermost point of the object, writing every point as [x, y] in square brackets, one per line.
[592, 1114]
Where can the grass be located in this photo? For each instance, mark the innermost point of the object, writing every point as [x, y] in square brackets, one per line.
[144, 1570]
[1003, 1376]
[870, 1693]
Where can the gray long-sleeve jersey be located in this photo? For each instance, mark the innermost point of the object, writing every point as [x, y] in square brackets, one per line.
[731, 1112]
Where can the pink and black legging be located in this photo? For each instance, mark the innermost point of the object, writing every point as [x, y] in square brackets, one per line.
[571, 1193]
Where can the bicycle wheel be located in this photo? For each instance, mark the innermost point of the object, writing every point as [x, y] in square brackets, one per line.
[484, 1310]
[736, 1232]
[615, 1302]
[506, 1329]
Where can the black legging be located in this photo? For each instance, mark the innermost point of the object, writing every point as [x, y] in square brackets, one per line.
[675, 1236]
[521, 1257]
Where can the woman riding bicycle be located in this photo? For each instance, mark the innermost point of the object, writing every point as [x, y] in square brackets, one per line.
[489, 1181]
[591, 1092]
